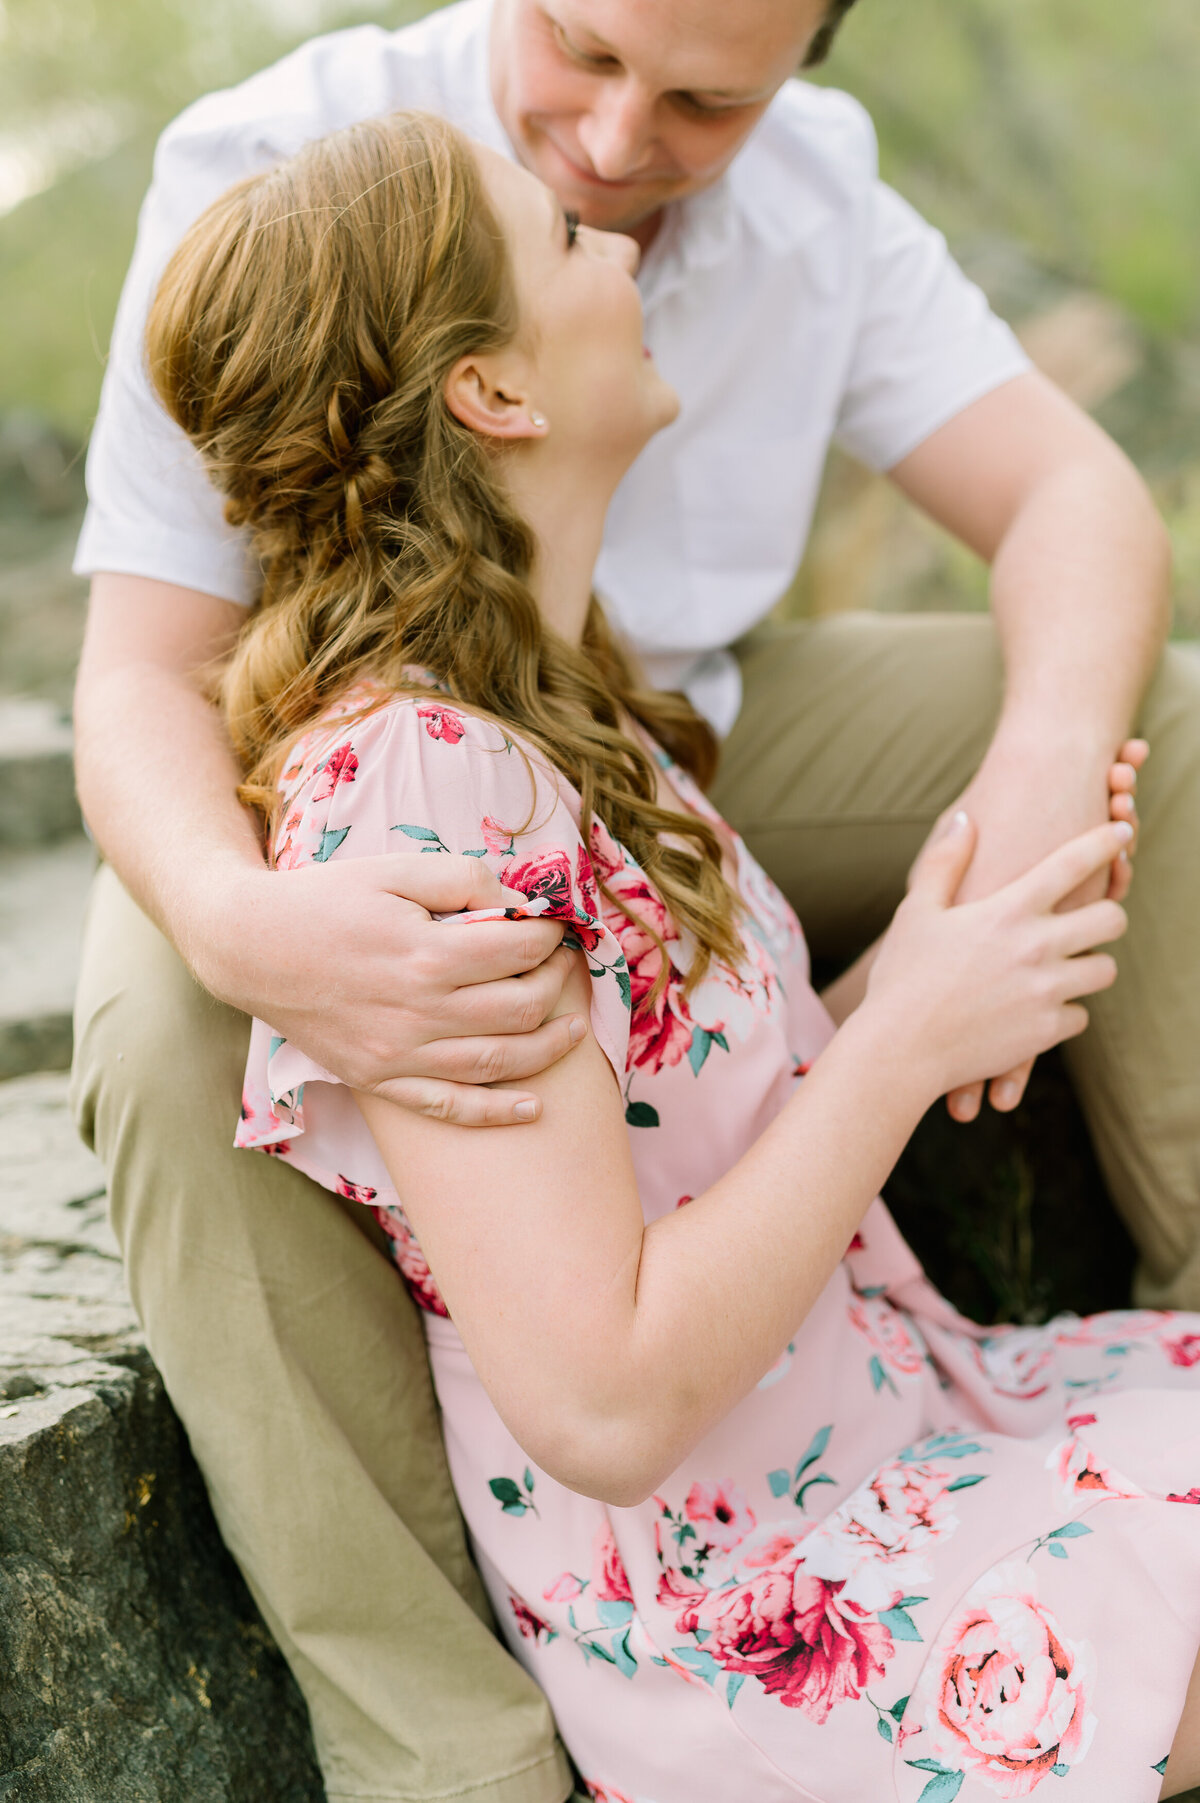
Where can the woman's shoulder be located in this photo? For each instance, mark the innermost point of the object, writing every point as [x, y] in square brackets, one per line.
[421, 765]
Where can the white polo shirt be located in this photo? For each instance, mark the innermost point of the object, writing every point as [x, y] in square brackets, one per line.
[796, 302]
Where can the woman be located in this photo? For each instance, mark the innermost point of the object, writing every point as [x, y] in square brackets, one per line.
[761, 1513]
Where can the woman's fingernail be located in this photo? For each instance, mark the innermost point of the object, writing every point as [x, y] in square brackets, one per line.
[526, 1111]
[1006, 1094]
[578, 1031]
[958, 820]
[1124, 829]
[1122, 857]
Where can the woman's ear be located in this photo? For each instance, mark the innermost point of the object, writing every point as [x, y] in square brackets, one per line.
[487, 399]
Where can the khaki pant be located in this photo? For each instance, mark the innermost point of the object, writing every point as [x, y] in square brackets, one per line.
[285, 1339]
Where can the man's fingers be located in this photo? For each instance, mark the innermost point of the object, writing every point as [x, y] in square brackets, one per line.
[1072, 865]
[1087, 976]
[461, 1103]
[485, 951]
[443, 884]
[510, 1059]
[1004, 1093]
[964, 1104]
[509, 1004]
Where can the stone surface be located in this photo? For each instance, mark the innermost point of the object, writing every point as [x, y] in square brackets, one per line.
[43, 893]
[37, 777]
[134, 1667]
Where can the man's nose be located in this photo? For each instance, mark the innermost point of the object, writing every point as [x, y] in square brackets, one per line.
[615, 132]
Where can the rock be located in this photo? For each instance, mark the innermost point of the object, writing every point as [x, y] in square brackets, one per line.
[43, 893]
[37, 776]
[134, 1667]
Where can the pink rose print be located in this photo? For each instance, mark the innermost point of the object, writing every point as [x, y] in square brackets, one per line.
[607, 858]
[661, 1030]
[496, 837]
[1114, 1326]
[410, 1260]
[1193, 1496]
[442, 723]
[721, 1513]
[790, 1631]
[1185, 1350]
[1009, 1700]
[875, 1541]
[887, 1332]
[354, 1192]
[600, 1793]
[1017, 1361]
[532, 1626]
[609, 1582]
[339, 767]
[1076, 1467]
[565, 1588]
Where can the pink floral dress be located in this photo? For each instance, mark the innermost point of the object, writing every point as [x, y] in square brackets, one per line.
[920, 1561]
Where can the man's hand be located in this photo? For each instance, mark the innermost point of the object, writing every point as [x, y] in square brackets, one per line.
[342, 958]
[1012, 836]
[345, 960]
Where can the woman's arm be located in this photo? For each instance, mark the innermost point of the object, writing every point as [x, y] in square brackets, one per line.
[423, 1016]
[610, 1347]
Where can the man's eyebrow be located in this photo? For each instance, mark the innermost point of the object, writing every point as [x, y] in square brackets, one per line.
[728, 95]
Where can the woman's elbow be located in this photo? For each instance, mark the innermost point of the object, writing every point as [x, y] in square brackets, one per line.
[612, 1461]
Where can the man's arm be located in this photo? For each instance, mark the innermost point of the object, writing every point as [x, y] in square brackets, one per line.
[403, 1007]
[1080, 590]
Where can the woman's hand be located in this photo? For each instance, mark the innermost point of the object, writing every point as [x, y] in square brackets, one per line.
[990, 984]
[1005, 1091]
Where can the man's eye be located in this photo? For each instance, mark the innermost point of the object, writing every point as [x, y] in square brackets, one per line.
[572, 220]
[588, 59]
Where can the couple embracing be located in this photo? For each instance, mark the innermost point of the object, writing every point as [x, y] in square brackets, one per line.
[431, 338]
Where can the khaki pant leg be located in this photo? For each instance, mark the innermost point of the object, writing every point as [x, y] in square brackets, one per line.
[297, 1363]
[856, 732]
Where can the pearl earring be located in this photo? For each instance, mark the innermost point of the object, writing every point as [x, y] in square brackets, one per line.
[537, 419]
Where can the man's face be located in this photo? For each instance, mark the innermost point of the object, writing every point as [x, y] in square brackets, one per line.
[623, 105]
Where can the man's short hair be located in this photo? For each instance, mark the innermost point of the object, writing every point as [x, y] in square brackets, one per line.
[819, 49]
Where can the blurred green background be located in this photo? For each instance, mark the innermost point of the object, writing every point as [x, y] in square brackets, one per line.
[1057, 142]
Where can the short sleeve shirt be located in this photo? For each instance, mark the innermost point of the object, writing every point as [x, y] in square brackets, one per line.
[795, 302]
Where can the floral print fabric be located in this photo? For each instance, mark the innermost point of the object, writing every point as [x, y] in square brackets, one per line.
[920, 1561]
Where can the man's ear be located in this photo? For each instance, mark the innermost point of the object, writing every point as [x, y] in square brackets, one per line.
[487, 399]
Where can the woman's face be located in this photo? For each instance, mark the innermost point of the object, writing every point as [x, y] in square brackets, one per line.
[586, 367]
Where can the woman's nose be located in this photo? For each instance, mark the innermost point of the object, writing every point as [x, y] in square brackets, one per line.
[618, 246]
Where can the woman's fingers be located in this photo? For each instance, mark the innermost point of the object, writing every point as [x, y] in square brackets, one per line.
[1071, 865]
[1082, 929]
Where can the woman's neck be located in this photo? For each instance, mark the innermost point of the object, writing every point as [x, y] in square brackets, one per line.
[567, 516]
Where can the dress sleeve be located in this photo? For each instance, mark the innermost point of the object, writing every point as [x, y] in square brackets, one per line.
[928, 343]
[421, 778]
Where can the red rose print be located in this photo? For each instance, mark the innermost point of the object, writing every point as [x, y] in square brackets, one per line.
[660, 1030]
[339, 767]
[546, 875]
[354, 1192]
[532, 1626]
[790, 1631]
[1183, 1351]
[442, 723]
[1193, 1496]
[609, 1582]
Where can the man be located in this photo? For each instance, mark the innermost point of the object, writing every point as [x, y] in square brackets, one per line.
[790, 298]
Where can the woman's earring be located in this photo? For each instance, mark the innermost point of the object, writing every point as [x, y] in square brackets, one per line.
[537, 419]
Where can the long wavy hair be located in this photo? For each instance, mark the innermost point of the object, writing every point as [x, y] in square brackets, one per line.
[301, 336]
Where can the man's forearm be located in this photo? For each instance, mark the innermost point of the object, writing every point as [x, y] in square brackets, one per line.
[169, 833]
[1080, 592]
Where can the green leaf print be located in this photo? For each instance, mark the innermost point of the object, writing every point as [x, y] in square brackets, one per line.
[331, 838]
[733, 1685]
[432, 841]
[509, 1494]
[623, 1659]
[1071, 1530]
[1161, 1767]
[897, 1709]
[1057, 1552]
[641, 1114]
[899, 1624]
[529, 1480]
[942, 1789]
[968, 1482]
[816, 1450]
[780, 1482]
[879, 1376]
[613, 1613]
[883, 1728]
[702, 1663]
